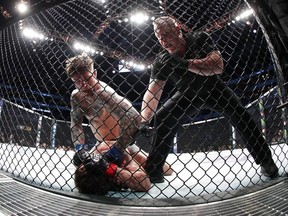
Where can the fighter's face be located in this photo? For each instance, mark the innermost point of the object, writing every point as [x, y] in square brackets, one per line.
[168, 38]
[84, 81]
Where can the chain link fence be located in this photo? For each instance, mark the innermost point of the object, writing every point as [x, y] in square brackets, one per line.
[208, 154]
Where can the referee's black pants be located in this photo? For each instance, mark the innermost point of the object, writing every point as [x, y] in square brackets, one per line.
[216, 96]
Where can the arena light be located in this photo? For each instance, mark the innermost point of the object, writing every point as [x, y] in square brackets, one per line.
[21, 25]
[41, 36]
[139, 18]
[140, 67]
[244, 14]
[128, 66]
[101, 1]
[77, 46]
[22, 7]
[85, 48]
[131, 63]
[32, 34]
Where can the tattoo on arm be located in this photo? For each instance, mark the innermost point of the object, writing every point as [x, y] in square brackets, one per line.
[122, 110]
[76, 115]
[129, 124]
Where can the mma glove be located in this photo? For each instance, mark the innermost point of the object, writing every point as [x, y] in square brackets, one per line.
[174, 61]
[81, 153]
[114, 155]
[98, 164]
[144, 129]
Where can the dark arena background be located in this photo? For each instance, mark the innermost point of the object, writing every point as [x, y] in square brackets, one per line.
[214, 174]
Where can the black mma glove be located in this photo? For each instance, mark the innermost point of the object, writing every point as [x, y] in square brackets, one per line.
[143, 129]
[174, 61]
[80, 156]
[98, 165]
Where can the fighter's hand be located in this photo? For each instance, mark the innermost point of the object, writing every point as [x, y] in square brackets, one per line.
[80, 156]
[144, 129]
[174, 61]
[94, 163]
[114, 155]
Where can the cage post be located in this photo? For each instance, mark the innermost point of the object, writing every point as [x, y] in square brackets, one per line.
[234, 144]
[53, 134]
[262, 117]
[38, 136]
[1, 105]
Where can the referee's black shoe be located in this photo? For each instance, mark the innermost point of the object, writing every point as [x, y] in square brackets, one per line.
[155, 176]
[269, 170]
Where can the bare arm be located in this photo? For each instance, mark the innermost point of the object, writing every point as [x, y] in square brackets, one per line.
[141, 158]
[208, 66]
[133, 176]
[151, 99]
[76, 115]
[121, 109]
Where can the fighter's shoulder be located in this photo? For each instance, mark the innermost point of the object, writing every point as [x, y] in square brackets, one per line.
[103, 84]
[74, 93]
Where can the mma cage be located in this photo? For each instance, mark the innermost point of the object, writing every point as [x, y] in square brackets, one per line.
[209, 157]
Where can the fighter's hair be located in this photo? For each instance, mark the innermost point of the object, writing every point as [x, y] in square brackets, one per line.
[165, 21]
[88, 183]
[79, 64]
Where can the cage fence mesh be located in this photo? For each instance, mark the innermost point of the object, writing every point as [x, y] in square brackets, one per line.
[208, 156]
